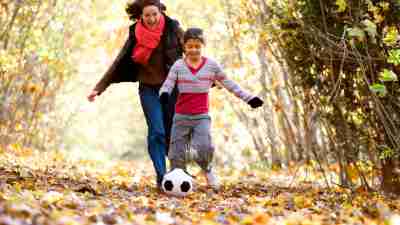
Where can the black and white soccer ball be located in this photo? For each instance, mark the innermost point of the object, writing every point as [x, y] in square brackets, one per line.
[177, 183]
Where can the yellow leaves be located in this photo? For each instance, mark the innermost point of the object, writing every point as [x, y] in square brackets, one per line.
[32, 88]
[391, 36]
[301, 201]
[52, 197]
[256, 219]
[261, 218]
[20, 210]
[121, 171]
[19, 150]
[210, 215]
[9, 62]
[379, 18]
[278, 201]
[342, 5]
[252, 197]
[208, 222]
[352, 172]
[378, 11]
[385, 6]
[72, 201]
[18, 127]
[16, 147]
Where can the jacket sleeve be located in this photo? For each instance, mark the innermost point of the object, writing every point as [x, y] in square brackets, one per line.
[179, 33]
[173, 43]
[121, 68]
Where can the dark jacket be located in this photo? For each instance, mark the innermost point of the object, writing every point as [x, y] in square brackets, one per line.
[124, 69]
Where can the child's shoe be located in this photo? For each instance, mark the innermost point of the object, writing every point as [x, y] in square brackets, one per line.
[212, 180]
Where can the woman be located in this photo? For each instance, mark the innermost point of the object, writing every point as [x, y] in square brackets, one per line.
[153, 45]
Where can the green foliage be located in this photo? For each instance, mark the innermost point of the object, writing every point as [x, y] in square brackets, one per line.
[386, 152]
[388, 76]
[343, 54]
[379, 89]
[394, 57]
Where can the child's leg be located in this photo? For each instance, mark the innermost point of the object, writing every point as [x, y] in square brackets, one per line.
[180, 139]
[202, 143]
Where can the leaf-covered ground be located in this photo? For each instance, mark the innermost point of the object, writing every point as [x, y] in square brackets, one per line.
[48, 189]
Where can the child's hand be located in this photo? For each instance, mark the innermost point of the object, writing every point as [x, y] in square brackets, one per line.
[216, 85]
[164, 98]
[255, 102]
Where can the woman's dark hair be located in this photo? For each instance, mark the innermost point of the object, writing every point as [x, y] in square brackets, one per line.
[135, 9]
[193, 33]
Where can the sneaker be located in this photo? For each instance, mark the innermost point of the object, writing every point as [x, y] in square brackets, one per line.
[212, 180]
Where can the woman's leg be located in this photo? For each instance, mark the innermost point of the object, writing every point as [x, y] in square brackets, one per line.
[168, 114]
[156, 140]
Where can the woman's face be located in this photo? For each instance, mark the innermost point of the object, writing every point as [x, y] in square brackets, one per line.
[151, 16]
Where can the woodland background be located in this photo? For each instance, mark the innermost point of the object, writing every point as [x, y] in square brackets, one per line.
[327, 70]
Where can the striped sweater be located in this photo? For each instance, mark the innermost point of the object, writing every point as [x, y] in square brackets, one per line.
[194, 85]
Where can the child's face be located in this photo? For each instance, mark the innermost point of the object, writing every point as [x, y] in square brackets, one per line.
[193, 48]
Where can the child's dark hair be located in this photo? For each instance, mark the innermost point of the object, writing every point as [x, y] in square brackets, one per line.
[135, 9]
[194, 33]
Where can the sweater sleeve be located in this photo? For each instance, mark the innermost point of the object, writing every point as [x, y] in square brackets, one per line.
[171, 80]
[229, 84]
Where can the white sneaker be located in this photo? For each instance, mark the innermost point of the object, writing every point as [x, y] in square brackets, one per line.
[212, 180]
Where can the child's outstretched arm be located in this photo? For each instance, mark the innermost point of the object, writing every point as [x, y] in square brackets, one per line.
[168, 85]
[234, 88]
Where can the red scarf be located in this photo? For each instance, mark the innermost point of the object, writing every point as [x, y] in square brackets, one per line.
[146, 41]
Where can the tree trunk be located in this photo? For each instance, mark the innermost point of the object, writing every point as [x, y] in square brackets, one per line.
[390, 177]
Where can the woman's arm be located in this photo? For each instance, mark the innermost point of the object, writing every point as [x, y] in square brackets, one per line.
[121, 68]
[179, 33]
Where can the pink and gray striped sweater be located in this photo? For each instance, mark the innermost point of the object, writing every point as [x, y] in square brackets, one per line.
[194, 85]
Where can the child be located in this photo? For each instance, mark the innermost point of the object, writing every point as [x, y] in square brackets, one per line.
[194, 75]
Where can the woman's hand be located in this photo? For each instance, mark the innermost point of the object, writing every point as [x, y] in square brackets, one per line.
[92, 96]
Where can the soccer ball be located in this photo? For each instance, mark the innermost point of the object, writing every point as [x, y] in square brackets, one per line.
[177, 183]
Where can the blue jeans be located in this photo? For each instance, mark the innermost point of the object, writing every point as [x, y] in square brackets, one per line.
[159, 122]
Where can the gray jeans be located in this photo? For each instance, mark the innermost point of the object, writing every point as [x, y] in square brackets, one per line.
[191, 133]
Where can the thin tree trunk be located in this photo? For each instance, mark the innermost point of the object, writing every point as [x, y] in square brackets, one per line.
[5, 34]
